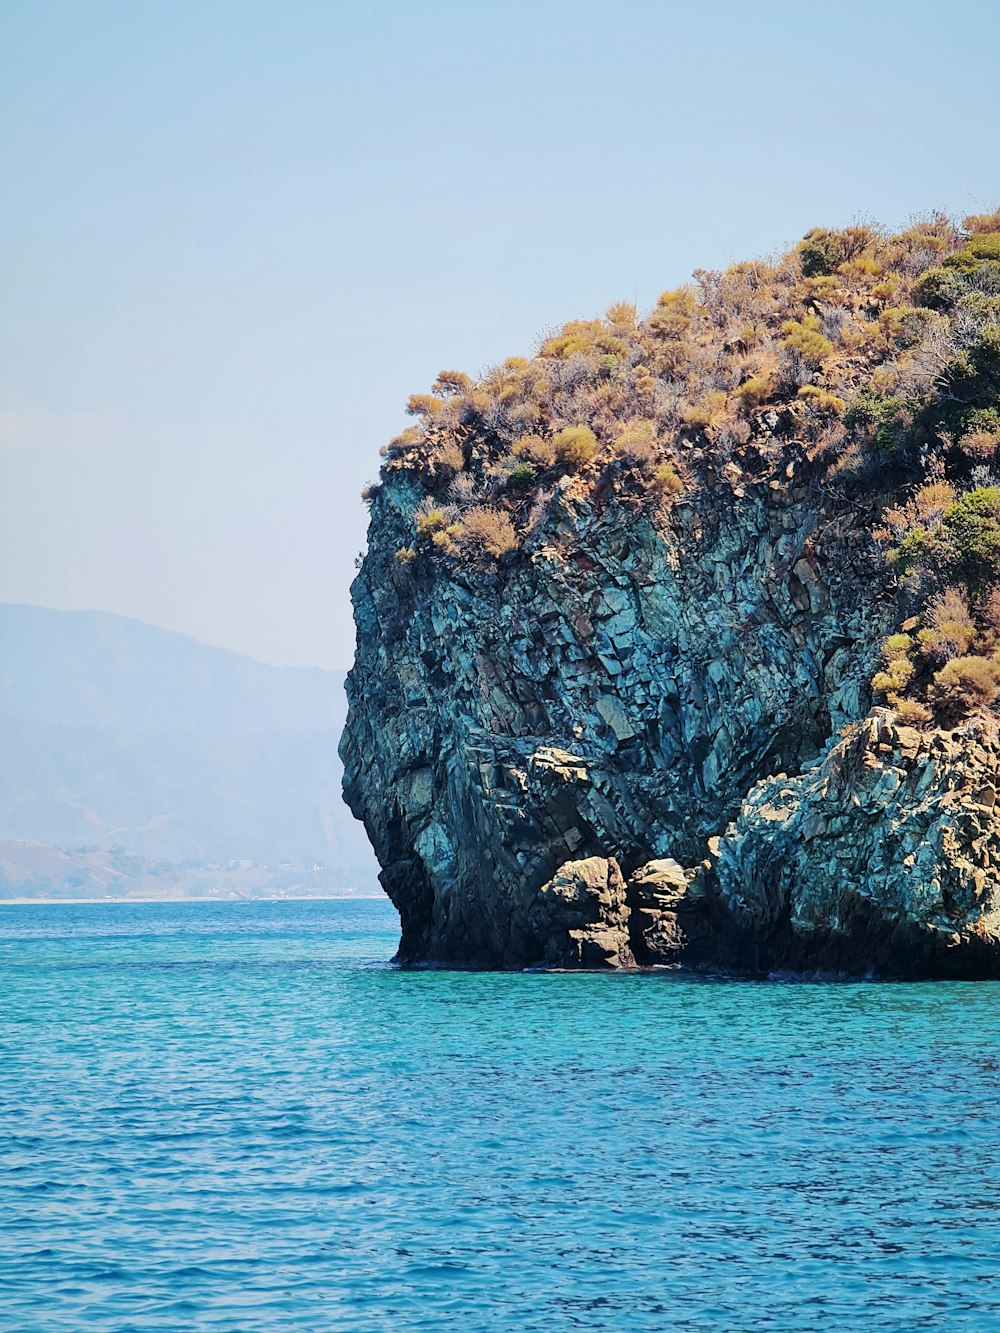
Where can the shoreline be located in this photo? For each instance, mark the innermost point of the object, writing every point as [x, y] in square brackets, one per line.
[123, 902]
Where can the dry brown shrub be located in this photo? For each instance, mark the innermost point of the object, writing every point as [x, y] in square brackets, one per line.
[621, 315]
[423, 405]
[706, 409]
[447, 459]
[451, 383]
[988, 612]
[575, 446]
[950, 629]
[913, 713]
[665, 483]
[929, 503]
[535, 449]
[485, 530]
[965, 683]
[980, 444]
[636, 444]
[977, 223]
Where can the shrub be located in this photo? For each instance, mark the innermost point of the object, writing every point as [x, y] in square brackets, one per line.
[423, 405]
[895, 677]
[895, 647]
[369, 492]
[485, 531]
[754, 391]
[912, 712]
[979, 444]
[915, 550]
[803, 337]
[988, 612]
[665, 482]
[706, 410]
[979, 222]
[950, 629]
[636, 443]
[860, 269]
[622, 315]
[406, 555]
[984, 246]
[938, 288]
[904, 326]
[431, 521]
[985, 419]
[966, 682]
[672, 317]
[447, 459]
[821, 251]
[973, 522]
[930, 502]
[825, 402]
[575, 446]
[816, 253]
[536, 450]
[884, 419]
[522, 475]
[452, 383]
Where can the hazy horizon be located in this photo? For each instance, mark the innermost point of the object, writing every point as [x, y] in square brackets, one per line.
[237, 236]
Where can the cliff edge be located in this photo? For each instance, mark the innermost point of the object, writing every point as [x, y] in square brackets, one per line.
[678, 642]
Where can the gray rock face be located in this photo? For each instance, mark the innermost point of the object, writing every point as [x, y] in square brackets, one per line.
[881, 858]
[616, 691]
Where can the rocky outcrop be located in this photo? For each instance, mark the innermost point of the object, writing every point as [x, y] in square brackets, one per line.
[615, 588]
[612, 692]
[882, 857]
[539, 749]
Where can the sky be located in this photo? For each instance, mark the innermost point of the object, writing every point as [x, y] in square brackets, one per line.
[235, 235]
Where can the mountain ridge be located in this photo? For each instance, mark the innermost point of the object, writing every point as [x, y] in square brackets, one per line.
[120, 735]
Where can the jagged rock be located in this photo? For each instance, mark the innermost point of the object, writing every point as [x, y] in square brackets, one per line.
[621, 696]
[883, 858]
[670, 920]
[582, 917]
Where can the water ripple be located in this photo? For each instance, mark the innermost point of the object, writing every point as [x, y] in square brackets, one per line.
[237, 1117]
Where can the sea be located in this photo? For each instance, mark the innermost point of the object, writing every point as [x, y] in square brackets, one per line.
[242, 1116]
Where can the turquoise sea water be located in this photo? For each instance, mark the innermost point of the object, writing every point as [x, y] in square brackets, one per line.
[237, 1116]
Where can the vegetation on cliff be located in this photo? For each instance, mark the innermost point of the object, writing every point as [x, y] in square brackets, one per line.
[876, 355]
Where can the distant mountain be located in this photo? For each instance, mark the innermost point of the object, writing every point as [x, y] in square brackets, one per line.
[114, 734]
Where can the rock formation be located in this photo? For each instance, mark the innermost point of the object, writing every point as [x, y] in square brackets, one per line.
[574, 753]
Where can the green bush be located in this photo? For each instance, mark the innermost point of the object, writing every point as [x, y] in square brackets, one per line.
[882, 417]
[522, 475]
[973, 523]
[754, 391]
[895, 678]
[916, 549]
[896, 646]
[825, 402]
[803, 337]
[984, 247]
[665, 481]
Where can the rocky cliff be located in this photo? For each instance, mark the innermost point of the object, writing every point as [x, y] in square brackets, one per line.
[612, 703]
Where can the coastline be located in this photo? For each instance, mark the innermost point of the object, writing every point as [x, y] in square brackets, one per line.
[121, 902]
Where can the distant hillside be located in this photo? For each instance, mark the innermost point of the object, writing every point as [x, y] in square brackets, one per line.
[118, 735]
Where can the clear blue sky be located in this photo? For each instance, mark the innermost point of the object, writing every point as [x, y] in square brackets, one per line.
[235, 235]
